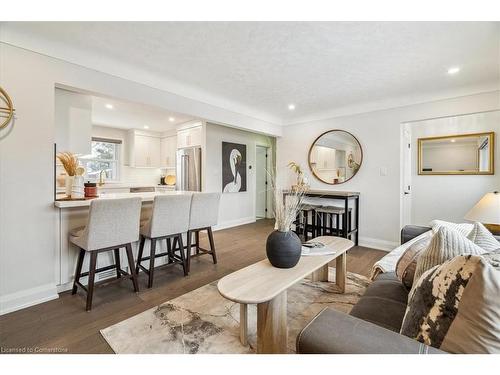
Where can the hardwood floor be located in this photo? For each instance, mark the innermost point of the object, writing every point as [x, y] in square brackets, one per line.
[64, 325]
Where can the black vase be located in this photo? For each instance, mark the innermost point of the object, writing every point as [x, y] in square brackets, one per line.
[283, 249]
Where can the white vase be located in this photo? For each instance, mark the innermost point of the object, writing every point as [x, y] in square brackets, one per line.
[77, 189]
[69, 185]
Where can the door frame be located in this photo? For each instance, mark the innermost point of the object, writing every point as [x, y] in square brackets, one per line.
[268, 149]
[406, 171]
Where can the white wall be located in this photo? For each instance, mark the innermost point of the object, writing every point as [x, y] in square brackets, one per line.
[150, 176]
[235, 208]
[27, 214]
[451, 197]
[379, 134]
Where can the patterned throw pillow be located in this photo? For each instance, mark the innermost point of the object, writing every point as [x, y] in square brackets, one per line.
[483, 238]
[445, 244]
[462, 228]
[407, 263]
[455, 306]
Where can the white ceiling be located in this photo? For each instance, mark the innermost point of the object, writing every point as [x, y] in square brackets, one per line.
[129, 115]
[261, 67]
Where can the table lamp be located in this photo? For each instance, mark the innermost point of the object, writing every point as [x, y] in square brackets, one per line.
[487, 211]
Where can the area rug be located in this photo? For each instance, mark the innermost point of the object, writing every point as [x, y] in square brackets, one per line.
[202, 321]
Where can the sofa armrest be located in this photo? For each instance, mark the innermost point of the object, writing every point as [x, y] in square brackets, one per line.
[334, 332]
[409, 232]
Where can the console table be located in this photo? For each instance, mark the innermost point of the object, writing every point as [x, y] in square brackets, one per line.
[345, 197]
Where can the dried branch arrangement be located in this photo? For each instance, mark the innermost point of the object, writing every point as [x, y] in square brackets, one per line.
[69, 162]
[286, 207]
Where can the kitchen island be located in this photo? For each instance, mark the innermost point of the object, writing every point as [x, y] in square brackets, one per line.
[73, 214]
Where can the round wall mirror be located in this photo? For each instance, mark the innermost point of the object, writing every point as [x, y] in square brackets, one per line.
[335, 157]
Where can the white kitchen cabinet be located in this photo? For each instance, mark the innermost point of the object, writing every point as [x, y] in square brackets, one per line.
[144, 150]
[323, 157]
[168, 151]
[189, 137]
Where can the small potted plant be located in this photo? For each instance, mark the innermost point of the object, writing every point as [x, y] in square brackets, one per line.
[302, 182]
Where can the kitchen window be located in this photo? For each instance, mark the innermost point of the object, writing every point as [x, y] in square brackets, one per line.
[105, 157]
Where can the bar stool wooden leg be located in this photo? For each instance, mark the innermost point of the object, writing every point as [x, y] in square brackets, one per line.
[90, 285]
[79, 263]
[197, 241]
[117, 263]
[181, 251]
[188, 247]
[139, 255]
[212, 244]
[169, 250]
[130, 258]
[152, 262]
[331, 224]
[337, 219]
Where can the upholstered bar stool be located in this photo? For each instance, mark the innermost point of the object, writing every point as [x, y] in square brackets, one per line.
[204, 215]
[305, 222]
[112, 224]
[326, 217]
[169, 220]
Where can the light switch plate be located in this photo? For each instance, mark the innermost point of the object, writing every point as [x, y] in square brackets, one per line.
[383, 171]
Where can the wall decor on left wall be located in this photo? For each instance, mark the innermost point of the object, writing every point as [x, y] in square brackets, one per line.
[6, 109]
[234, 170]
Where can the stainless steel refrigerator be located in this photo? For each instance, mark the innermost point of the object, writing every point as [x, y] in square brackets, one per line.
[189, 169]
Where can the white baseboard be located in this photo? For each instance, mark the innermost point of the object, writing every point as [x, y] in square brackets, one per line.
[378, 244]
[234, 223]
[26, 298]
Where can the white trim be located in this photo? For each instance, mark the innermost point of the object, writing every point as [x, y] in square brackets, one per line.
[26, 298]
[234, 223]
[378, 244]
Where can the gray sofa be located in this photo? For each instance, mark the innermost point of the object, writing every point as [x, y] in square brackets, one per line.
[372, 326]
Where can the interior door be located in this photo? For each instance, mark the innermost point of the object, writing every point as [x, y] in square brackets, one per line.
[261, 182]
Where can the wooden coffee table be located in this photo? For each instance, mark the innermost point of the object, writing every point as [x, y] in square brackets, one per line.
[266, 286]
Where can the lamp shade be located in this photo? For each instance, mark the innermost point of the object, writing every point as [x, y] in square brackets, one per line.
[487, 210]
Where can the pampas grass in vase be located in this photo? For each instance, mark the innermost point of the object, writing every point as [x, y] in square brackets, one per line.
[70, 163]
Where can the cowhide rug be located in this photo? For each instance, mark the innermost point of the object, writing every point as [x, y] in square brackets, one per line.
[202, 321]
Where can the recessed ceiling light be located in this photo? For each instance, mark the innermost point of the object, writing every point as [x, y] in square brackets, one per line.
[146, 127]
[453, 70]
[452, 141]
[109, 106]
[171, 119]
[291, 107]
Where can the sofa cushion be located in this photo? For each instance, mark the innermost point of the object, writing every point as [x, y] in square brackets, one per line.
[407, 264]
[483, 238]
[455, 306]
[462, 228]
[445, 244]
[384, 302]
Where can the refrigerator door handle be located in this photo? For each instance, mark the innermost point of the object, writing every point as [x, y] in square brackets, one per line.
[185, 172]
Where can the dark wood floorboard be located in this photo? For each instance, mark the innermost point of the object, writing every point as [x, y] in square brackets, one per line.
[64, 323]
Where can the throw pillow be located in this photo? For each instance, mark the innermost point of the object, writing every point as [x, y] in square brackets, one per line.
[407, 264]
[462, 228]
[444, 245]
[455, 306]
[483, 238]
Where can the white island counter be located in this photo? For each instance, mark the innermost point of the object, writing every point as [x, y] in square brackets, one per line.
[74, 214]
[146, 197]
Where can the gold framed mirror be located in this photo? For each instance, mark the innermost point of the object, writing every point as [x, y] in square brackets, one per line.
[335, 157]
[459, 154]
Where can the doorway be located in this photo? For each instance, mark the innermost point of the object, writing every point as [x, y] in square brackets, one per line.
[261, 182]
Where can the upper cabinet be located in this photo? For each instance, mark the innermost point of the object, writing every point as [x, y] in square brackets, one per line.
[144, 151]
[189, 137]
[168, 151]
[73, 122]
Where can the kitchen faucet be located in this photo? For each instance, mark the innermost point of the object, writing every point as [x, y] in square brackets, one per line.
[101, 177]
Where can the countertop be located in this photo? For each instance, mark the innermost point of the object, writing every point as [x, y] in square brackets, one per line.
[146, 197]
